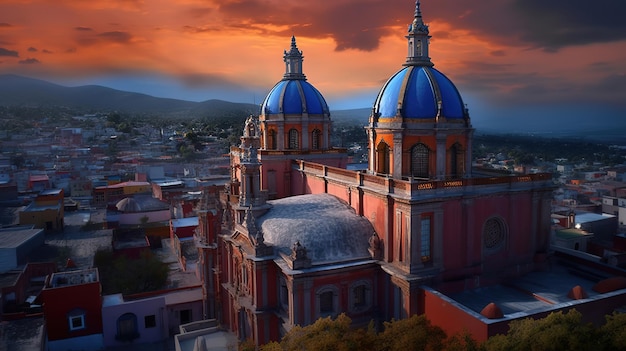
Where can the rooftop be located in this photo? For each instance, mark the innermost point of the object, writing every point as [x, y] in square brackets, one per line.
[71, 278]
[535, 292]
[13, 237]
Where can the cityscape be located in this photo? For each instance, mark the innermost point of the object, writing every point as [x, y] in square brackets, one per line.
[135, 222]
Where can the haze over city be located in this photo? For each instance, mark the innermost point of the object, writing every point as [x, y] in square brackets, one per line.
[514, 60]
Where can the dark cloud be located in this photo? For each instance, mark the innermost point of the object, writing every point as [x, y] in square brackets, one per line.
[29, 61]
[558, 23]
[70, 50]
[498, 53]
[5, 25]
[32, 49]
[46, 51]
[360, 24]
[87, 38]
[83, 29]
[199, 12]
[549, 25]
[116, 36]
[202, 29]
[352, 24]
[7, 52]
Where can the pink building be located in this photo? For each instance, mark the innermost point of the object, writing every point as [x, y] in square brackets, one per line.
[418, 232]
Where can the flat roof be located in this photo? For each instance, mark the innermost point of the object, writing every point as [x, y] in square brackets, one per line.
[35, 207]
[85, 276]
[185, 222]
[535, 292]
[183, 296]
[13, 237]
[571, 233]
[50, 192]
[591, 217]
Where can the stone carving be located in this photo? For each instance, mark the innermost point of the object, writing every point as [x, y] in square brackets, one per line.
[299, 257]
[374, 248]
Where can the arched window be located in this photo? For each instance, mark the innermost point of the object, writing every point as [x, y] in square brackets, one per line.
[327, 300]
[251, 130]
[316, 139]
[382, 158]
[456, 160]
[360, 298]
[127, 327]
[419, 161]
[272, 140]
[293, 139]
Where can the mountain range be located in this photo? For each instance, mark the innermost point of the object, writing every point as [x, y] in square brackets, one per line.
[18, 90]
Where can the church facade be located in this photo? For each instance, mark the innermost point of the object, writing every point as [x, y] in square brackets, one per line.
[302, 237]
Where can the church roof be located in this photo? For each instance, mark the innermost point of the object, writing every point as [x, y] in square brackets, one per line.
[327, 227]
[293, 95]
[419, 92]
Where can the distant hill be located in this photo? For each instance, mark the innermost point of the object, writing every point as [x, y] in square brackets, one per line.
[354, 116]
[22, 91]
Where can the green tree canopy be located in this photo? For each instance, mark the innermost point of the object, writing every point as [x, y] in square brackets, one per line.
[558, 331]
[120, 274]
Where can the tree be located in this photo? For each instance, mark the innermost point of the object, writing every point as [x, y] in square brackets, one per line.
[414, 333]
[613, 333]
[326, 334]
[120, 274]
[557, 331]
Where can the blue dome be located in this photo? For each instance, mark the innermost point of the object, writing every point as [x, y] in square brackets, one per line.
[294, 96]
[416, 90]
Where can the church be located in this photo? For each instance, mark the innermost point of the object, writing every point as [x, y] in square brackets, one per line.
[297, 236]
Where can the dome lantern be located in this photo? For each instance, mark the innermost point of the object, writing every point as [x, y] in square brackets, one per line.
[293, 62]
[418, 40]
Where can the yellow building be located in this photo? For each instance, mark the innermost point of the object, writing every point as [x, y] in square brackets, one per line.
[46, 212]
[103, 195]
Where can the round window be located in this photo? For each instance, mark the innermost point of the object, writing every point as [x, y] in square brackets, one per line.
[493, 233]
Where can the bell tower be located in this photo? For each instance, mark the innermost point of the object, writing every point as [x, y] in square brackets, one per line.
[419, 128]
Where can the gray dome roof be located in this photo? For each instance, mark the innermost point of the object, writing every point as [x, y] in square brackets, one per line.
[128, 204]
[329, 228]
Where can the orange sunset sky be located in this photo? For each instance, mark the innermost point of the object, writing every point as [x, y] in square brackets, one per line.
[506, 57]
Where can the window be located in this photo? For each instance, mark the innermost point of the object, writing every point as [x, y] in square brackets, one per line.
[149, 321]
[315, 139]
[326, 303]
[77, 322]
[284, 295]
[425, 239]
[327, 299]
[494, 233]
[359, 296]
[185, 316]
[272, 140]
[419, 161]
[76, 319]
[456, 160]
[382, 158]
[127, 327]
[293, 139]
